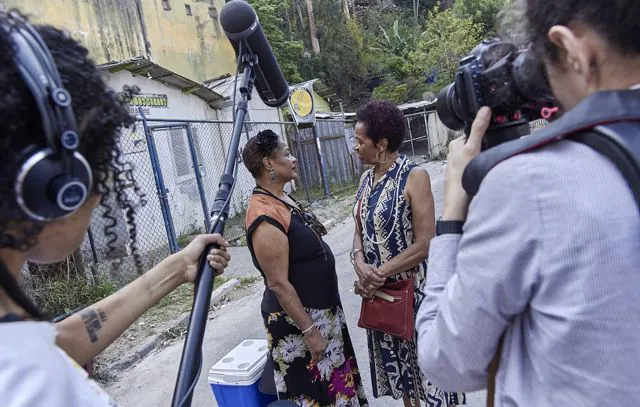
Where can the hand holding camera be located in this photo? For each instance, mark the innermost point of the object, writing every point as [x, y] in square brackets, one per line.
[461, 151]
[498, 74]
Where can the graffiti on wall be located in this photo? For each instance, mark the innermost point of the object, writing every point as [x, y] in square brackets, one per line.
[148, 102]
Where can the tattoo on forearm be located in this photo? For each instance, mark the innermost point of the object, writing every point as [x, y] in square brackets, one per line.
[93, 322]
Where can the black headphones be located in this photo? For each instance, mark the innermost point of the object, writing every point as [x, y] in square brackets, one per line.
[53, 181]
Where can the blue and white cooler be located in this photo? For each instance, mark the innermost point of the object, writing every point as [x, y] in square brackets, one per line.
[234, 379]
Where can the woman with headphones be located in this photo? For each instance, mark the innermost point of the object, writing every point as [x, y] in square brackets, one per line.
[60, 158]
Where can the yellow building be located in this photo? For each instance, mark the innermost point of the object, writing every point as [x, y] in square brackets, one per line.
[183, 36]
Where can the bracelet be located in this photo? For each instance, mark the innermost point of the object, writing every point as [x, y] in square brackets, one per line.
[353, 253]
[445, 227]
[308, 329]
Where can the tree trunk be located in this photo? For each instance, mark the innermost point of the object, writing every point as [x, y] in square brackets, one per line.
[315, 44]
[300, 18]
[288, 21]
[345, 9]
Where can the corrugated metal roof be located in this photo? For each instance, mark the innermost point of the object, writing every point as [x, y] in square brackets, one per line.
[417, 106]
[223, 85]
[145, 67]
[336, 116]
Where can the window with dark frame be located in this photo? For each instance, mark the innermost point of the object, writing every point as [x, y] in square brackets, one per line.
[180, 150]
[187, 9]
[165, 5]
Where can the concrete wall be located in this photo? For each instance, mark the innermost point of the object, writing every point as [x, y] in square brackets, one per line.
[438, 135]
[110, 29]
[193, 45]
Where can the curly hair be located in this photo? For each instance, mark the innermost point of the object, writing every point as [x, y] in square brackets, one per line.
[264, 144]
[101, 115]
[383, 119]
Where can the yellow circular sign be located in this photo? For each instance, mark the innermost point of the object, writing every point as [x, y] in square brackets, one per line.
[302, 102]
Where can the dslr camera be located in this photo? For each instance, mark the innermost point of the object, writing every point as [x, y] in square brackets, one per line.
[508, 79]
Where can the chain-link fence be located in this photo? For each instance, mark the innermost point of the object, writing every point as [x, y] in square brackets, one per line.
[427, 138]
[178, 165]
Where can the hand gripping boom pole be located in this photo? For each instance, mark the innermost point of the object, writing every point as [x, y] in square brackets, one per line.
[191, 363]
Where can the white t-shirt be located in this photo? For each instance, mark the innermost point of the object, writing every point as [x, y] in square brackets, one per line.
[35, 372]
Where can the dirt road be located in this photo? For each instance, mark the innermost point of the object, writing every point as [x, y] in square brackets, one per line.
[151, 382]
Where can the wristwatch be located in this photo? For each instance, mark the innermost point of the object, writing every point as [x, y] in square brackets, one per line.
[449, 227]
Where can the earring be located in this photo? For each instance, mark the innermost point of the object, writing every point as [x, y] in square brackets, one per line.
[386, 157]
[574, 64]
[273, 175]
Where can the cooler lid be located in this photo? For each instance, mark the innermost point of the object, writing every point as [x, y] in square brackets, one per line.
[242, 366]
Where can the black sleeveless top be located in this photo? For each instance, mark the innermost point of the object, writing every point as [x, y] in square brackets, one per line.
[312, 269]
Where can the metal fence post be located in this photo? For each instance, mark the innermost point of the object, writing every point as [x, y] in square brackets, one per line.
[162, 191]
[298, 143]
[92, 244]
[323, 173]
[94, 254]
[426, 131]
[196, 170]
[413, 151]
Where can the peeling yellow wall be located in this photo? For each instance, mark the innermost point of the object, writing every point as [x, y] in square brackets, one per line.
[110, 29]
[193, 46]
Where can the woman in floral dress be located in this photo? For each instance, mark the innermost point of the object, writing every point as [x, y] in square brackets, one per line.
[314, 360]
[395, 221]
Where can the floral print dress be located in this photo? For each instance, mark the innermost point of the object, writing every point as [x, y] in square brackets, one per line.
[386, 220]
[335, 380]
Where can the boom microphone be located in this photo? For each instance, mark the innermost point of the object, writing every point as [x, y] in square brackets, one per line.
[240, 23]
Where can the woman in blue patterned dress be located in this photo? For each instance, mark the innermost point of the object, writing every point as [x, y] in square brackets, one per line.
[395, 221]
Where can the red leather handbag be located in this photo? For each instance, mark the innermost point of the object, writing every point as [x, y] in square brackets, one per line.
[390, 310]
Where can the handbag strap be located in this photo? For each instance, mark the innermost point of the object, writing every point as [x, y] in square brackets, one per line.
[357, 216]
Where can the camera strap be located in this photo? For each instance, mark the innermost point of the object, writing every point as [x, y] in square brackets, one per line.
[608, 122]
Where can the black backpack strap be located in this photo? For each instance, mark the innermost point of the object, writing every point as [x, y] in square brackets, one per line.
[620, 143]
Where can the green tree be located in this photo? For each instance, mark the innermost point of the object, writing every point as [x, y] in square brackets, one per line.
[418, 8]
[392, 90]
[483, 12]
[401, 81]
[288, 51]
[446, 40]
[343, 63]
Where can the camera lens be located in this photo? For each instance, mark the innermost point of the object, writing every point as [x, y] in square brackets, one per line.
[446, 106]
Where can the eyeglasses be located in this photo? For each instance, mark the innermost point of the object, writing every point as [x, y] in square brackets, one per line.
[310, 219]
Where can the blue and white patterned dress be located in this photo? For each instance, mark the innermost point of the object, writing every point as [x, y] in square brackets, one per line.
[386, 219]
